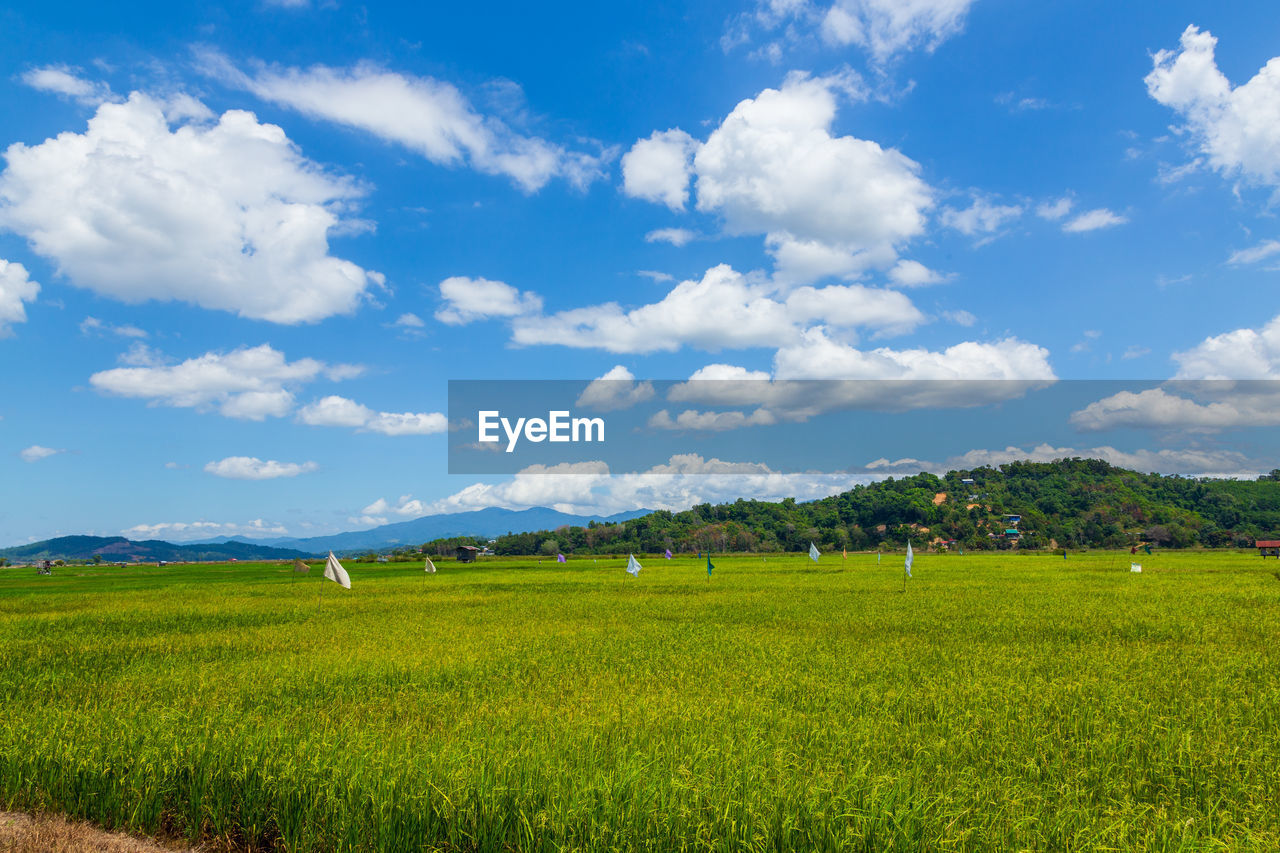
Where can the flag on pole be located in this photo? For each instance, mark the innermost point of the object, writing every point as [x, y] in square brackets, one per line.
[813, 552]
[910, 559]
[429, 567]
[559, 558]
[710, 566]
[633, 566]
[333, 571]
[1134, 567]
[844, 553]
[668, 553]
[877, 558]
[299, 566]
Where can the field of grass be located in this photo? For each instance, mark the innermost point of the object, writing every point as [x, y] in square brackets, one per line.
[1003, 702]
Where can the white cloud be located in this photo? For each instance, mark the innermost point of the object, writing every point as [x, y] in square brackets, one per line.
[35, 453]
[886, 28]
[674, 236]
[617, 389]
[94, 326]
[1186, 462]
[657, 169]
[694, 420]
[1252, 255]
[827, 205]
[253, 468]
[377, 512]
[1227, 405]
[341, 412]
[682, 482]
[722, 310]
[817, 356]
[226, 215]
[66, 81]
[428, 116]
[981, 218]
[960, 318]
[15, 288]
[1092, 220]
[471, 299]
[914, 274]
[409, 321]
[250, 383]
[179, 531]
[1055, 210]
[1239, 354]
[1237, 130]
[883, 28]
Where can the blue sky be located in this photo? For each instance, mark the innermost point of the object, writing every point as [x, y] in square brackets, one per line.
[244, 247]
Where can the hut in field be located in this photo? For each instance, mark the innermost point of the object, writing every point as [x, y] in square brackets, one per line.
[467, 553]
[1268, 548]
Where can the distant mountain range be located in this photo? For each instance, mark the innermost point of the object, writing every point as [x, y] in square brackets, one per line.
[114, 549]
[486, 523]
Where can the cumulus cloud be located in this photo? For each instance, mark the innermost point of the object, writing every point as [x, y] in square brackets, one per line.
[826, 205]
[16, 287]
[341, 412]
[675, 236]
[1055, 210]
[1235, 129]
[1191, 462]
[1247, 404]
[818, 356]
[1092, 220]
[180, 531]
[982, 218]
[36, 452]
[227, 215]
[683, 481]
[378, 512]
[427, 116]
[723, 310]
[617, 389]
[694, 420]
[886, 28]
[907, 273]
[68, 82]
[657, 168]
[469, 299]
[253, 468]
[251, 383]
[1238, 354]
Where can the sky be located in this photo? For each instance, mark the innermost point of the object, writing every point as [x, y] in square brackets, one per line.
[245, 247]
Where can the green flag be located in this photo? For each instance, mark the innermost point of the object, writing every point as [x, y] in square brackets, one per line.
[709, 565]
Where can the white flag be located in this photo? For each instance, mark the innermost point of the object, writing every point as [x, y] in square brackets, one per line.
[633, 566]
[429, 567]
[813, 552]
[1135, 567]
[910, 559]
[333, 571]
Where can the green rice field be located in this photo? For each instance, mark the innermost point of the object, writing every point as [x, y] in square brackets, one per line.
[1002, 702]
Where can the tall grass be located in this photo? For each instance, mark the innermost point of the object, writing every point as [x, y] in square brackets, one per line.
[1002, 702]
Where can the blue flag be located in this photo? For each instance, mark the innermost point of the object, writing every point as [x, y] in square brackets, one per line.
[709, 565]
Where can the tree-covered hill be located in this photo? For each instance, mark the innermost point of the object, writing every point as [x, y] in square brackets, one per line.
[1073, 503]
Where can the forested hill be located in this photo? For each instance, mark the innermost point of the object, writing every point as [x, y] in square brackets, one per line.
[1074, 503]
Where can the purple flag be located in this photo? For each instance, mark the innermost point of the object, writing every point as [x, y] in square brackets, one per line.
[559, 558]
[668, 553]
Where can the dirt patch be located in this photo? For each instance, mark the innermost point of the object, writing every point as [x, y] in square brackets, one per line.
[24, 833]
[939, 498]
